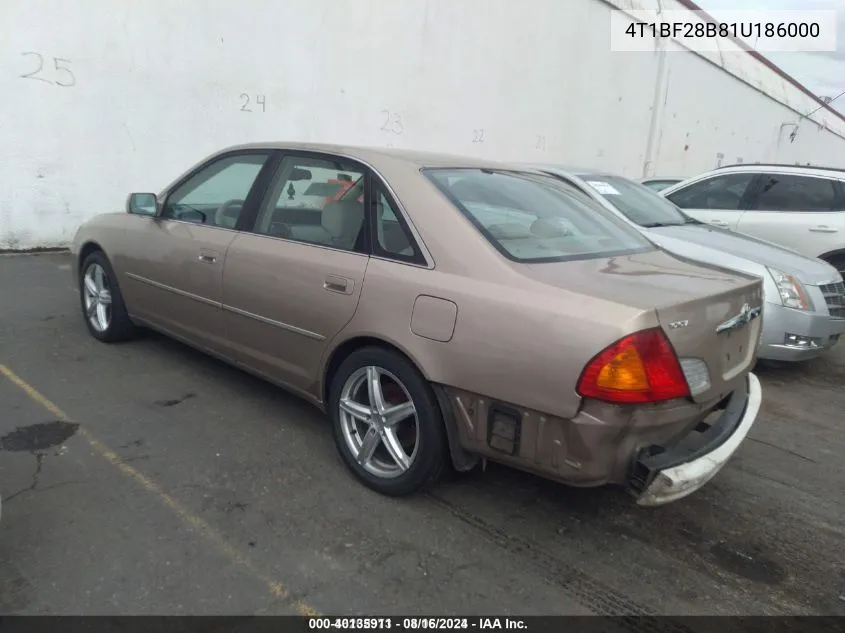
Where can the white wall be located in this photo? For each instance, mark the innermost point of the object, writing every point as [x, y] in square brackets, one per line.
[157, 84]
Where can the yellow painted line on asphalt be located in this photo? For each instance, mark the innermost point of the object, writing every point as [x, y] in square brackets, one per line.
[274, 587]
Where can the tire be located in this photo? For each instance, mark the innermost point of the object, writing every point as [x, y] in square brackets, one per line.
[117, 326]
[400, 382]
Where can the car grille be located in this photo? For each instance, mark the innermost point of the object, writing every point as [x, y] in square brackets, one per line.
[834, 295]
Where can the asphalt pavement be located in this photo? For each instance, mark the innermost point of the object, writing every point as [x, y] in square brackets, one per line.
[146, 478]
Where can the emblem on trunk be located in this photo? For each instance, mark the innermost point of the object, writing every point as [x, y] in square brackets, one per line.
[674, 325]
[746, 315]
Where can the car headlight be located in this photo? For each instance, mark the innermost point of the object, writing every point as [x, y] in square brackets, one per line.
[792, 293]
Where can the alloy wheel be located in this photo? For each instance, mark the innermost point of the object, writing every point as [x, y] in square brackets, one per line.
[379, 422]
[97, 296]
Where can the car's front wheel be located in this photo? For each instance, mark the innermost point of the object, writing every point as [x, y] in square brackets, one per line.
[102, 304]
[387, 424]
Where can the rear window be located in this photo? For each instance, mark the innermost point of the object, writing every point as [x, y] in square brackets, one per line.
[536, 218]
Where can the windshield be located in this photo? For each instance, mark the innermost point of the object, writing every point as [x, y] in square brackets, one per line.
[536, 218]
[638, 203]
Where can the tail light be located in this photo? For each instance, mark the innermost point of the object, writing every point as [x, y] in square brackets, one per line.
[639, 368]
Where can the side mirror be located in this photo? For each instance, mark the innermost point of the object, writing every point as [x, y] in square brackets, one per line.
[142, 203]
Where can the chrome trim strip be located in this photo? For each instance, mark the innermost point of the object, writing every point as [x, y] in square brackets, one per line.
[278, 324]
[159, 218]
[336, 249]
[291, 240]
[176, 291]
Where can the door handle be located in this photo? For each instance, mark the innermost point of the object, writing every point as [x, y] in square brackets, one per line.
[719, 223]
[207, 257]
[823, 228]
[333, 283]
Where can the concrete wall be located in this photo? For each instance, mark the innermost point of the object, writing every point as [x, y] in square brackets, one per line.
[123, 96]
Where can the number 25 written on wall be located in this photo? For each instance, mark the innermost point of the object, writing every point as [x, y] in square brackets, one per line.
[58, 73]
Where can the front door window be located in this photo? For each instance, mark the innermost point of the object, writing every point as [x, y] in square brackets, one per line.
[215, 195]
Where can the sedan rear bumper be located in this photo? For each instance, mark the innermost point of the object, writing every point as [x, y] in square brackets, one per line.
[665, 475]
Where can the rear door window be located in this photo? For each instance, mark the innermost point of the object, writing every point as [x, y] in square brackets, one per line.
[788, 192]
[315, 200]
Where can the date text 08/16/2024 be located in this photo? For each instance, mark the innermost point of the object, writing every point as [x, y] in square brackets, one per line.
[416, 623]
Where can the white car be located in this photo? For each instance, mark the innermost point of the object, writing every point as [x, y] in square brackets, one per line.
[802, 208]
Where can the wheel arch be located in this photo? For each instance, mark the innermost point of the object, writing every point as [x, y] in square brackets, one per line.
[345, 348]
[460, 458]
[838, 253]
[88, 247]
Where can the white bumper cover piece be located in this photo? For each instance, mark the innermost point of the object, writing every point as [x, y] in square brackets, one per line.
[678, 481]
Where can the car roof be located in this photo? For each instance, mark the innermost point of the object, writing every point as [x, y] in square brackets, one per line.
[816, 170]
[376, 155]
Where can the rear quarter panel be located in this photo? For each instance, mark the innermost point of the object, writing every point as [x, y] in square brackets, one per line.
[513, 340]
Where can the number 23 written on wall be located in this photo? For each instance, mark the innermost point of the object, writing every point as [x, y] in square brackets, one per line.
[57, 73]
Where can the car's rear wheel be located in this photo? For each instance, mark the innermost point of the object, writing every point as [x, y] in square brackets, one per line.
[387, 424]
[102, 304]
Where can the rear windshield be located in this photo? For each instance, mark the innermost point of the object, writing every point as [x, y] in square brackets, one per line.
[536, 218]
[637, 202]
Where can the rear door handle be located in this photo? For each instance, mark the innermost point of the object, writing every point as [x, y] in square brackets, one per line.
[724, 225]
[822, 228]
[208, 257]
[342, 285]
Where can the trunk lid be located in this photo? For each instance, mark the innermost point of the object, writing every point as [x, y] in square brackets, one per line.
[691, 301]
[720, 331]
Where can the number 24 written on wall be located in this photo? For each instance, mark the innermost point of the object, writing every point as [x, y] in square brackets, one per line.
[57, 72]
[260, 102]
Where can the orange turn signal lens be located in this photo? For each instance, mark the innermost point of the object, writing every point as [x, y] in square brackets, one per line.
[624, 372]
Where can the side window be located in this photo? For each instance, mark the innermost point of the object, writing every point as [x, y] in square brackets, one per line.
[795, 193]
[718, 193]
[317, 201]
[392, 237]
[215, 195]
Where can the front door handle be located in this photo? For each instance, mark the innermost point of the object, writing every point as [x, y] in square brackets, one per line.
[719, 223]
[342, 285]
[823, 228]
[208, 257]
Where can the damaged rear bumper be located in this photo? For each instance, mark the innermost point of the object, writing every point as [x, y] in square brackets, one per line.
[662, 475]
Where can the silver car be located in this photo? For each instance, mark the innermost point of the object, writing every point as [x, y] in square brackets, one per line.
[803, 296]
